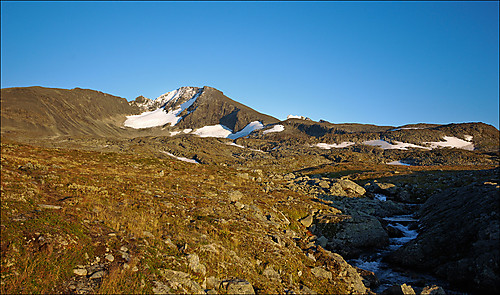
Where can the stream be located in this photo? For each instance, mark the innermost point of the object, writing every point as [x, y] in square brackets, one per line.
[390, 275]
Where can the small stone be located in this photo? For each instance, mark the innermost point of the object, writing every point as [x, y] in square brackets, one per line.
[307, 221]
[235, 196]
[195, 265]
[80, 271]
[148, 234]
[239, 205]
[238, 286]
[110, 257]
[135, 269]
[433, 290]
[322, 241]
[97, 275]
[123, 249]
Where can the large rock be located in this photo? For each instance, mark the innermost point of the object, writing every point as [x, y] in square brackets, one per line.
[238, 286]
[465, 222]
[344, 272]
[350, 235]
[351, 187]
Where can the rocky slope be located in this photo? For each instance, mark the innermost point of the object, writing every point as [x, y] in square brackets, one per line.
[43, 112]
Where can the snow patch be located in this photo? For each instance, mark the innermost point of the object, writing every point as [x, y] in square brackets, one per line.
[296, 117]
[398, 163]
[149, 119]
[276, 128]
[453, 142]
[213, 131]
[327, 146]
[468, 137]
[252, 126]
[160, 116]
[387, 146]
[236, 145]
[406, 128]
[181, 158]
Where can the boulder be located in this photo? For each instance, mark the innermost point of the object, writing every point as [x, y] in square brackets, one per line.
[351, 187]
[195, 265]
[465, 222]
[238, 286]
[403, 289]
[350, 235]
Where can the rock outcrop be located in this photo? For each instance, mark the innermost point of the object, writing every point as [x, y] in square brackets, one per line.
[459, 237]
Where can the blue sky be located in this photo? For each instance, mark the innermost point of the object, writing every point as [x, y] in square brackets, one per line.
[383, 63]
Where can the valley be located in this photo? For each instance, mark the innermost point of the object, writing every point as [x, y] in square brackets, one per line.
[194, 192]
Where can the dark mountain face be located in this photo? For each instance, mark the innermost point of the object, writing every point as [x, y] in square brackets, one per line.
[212, 107]
[39, 111]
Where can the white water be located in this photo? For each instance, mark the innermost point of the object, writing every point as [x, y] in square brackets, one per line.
[385, 273]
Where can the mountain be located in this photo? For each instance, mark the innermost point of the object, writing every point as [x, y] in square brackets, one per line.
[206, 109]
[38, 112]
[44, 112]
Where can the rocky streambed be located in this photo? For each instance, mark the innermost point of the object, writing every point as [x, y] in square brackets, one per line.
[450, 241]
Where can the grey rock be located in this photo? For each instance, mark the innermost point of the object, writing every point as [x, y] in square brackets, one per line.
[465, 222]
[97, 275]
[271, 273]
[195, 265]
[110, 257]
[350, 235]
[321, 273]
[235, 196]
[307, 221]
[161, 288]
[322, 241]
[80, 271]
[238, 286]
[399, 290]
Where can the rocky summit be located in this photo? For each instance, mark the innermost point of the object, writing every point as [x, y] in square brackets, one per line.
[194, 192]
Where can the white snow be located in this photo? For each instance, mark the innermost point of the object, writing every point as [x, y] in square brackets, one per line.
[398, 163]
[181, 158]
[213, 131]
[406, 128]
[236, 145]
[327, 146]
[252, 126]
[296, 117]
[173, 133]
[160, 116]
[276, 128]
[240, 146]
[187, 130]
[150, 119]
[454, 142]
[387, 146]
[468, 137]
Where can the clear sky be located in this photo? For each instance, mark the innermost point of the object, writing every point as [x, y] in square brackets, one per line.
[384, 63]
